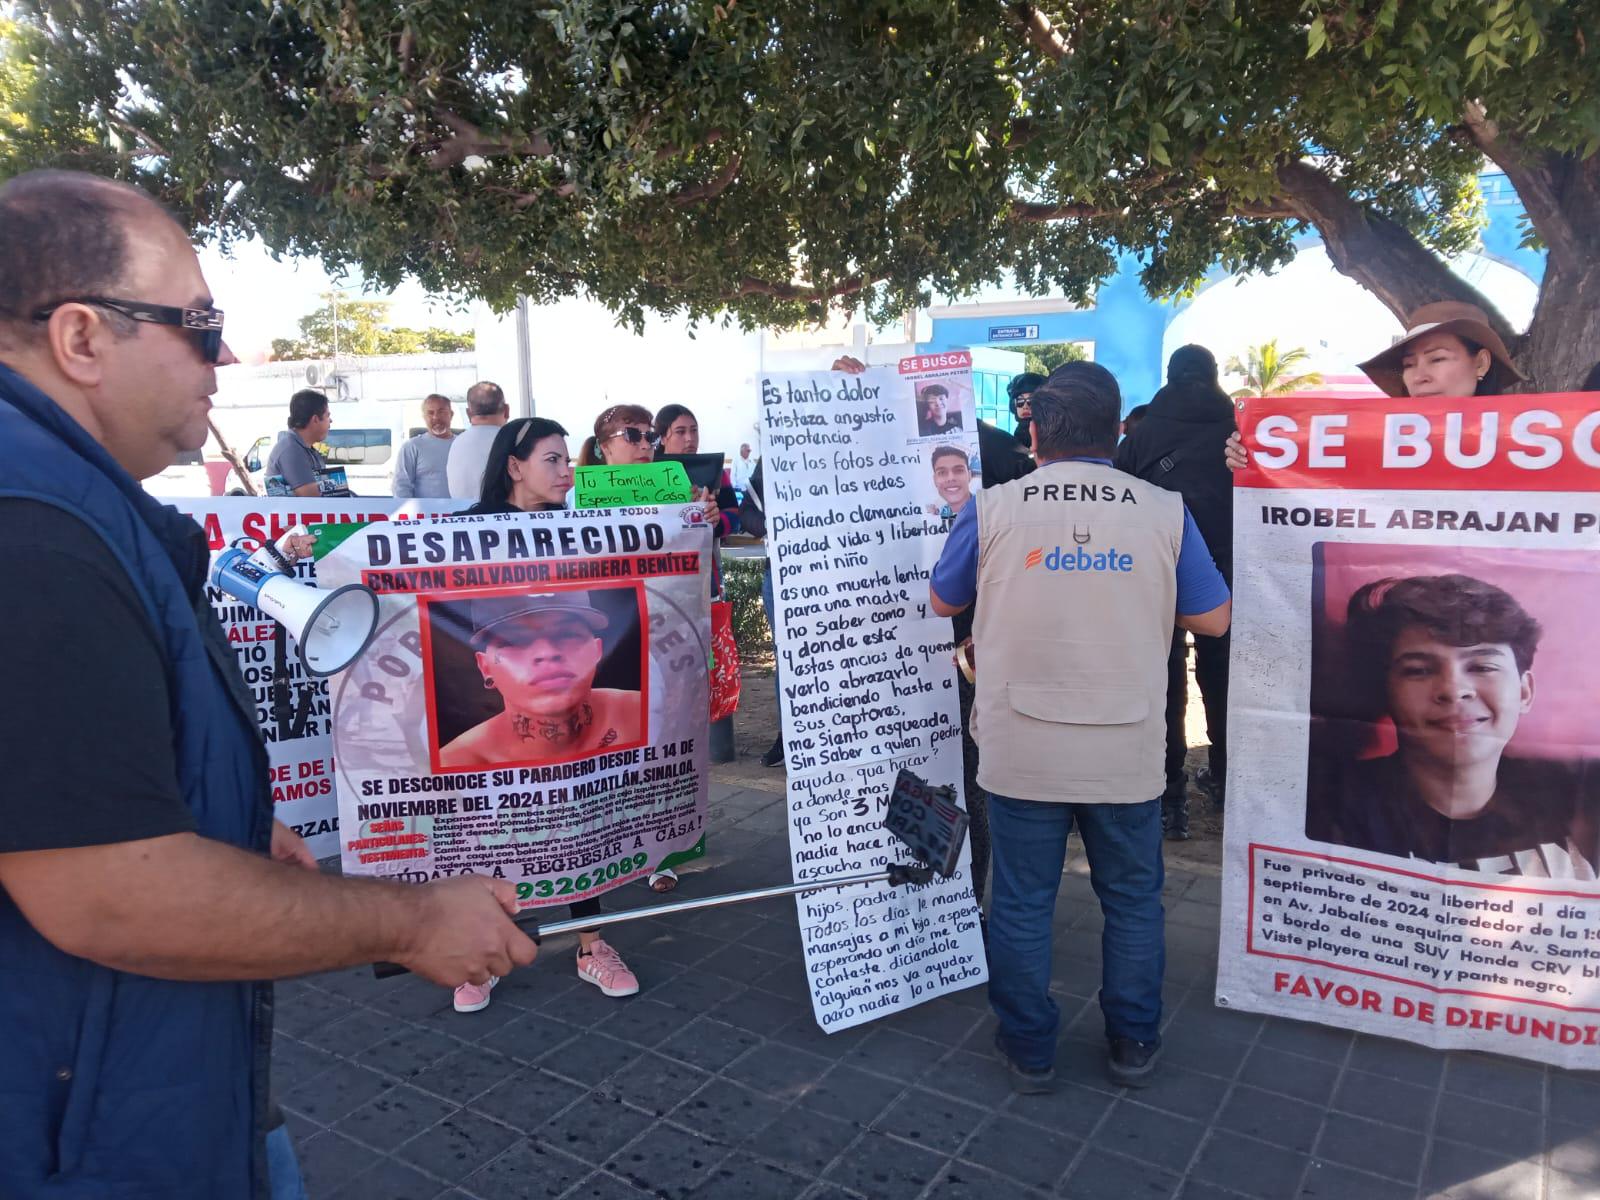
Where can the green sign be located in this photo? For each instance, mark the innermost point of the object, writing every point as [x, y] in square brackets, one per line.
[640, 484]
[331, 536]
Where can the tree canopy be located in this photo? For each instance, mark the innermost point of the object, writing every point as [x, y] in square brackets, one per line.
[1269, 371]
[362, 328]
[770, 159]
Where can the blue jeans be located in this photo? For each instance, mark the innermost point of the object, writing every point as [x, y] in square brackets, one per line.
[283, 1169]
[1029, 846]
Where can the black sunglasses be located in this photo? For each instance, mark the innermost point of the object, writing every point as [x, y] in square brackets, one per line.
[204, 323]
[636, 436]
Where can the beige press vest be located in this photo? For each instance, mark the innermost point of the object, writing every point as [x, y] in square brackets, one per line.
[1077, 596]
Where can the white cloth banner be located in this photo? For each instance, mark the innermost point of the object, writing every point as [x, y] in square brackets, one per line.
[863, 475]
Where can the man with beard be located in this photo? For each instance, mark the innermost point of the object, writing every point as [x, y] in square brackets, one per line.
[420, 469]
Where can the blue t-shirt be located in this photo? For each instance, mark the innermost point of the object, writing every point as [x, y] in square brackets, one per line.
[955, 576]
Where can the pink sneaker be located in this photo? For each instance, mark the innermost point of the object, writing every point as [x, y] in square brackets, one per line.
[474, 997]
[604, 968]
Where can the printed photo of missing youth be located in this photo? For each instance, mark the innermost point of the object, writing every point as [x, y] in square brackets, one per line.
[952, 481]
[1451, 707]
[534, 678]
[941, 406]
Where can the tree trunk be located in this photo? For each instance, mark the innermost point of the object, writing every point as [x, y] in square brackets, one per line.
[1563, 343]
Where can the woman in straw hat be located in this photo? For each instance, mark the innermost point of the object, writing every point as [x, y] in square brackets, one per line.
[1449, 349]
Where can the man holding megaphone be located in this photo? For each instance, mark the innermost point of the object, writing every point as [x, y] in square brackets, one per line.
[144, 885]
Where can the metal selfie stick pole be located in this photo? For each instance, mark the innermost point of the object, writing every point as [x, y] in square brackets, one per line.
[926, 820]
[894, 875]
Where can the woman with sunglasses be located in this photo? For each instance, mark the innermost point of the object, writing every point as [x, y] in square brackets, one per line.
[529, 471]
[623, 435]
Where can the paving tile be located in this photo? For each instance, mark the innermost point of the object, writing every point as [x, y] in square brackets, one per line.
[1575, 1149]
[465, 1074]
[804, 1141]
[708, 1044]
[591, 1058]
[975, 1078]
[1308, 1079]
[788, 979]
[1248, 1166]
[1150, 1136]
[1210, 1055]
[1187, 1093]
[1070, 1109]
[527, 1099]
[655, 1083]
[407, 1053]
[456, 1146]
[1099, 1175]
[1405, 1061]
[667, 1162]
[1562, 1186]
[1372, 1146]
[593, 1127]
[852, 1095]
[743, 1178]
[693, 993]
[389, 1180]
[1306, 1039]
[295, 1062]
[410, 997]
[963, 1181]
[310, 1010]
[394, 1117]
[529, 1037]
[1403, 1105]
[760, 1012]
[1574, 1091]
[1272, 1118]
[1461, 1173]
[528, 1169]
[889, 1052]
[350, 1034]
[642, 1022]
[1489, 1127]
[778, 1071]
[1496, 1080]
[1021, 1152]
[1328, 1181]
[943, 1021]
[336, 1092]
[602, 1186]
[470, 1027]
[930, 1119]
[328, 1161]
[1200, 1019]
[727, 1113]
[885, 1169]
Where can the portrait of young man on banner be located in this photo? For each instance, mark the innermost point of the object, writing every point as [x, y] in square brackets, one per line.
[1434, 735]
[534, 678]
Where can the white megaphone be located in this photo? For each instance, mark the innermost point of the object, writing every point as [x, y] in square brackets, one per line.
[331, 629]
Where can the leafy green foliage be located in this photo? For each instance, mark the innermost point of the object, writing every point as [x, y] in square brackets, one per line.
[1269, 371]
[362, 328]
[768, 160]
[1047, 357]
[741, 582]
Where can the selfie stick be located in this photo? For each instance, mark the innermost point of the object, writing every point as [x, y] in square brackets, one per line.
[926, 820]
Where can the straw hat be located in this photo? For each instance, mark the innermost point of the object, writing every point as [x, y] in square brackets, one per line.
[1447, 316]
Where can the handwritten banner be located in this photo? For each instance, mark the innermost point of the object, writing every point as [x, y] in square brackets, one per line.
[609, 486]
[865, 472]
[1414, 780]
[293, 710]
[534, 705]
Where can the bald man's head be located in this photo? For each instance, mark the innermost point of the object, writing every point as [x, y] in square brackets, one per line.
[66, 233]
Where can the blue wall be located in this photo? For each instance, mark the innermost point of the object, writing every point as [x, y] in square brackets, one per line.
[1127, 327]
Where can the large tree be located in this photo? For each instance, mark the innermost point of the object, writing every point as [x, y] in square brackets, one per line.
[352, 326]
[771, 157]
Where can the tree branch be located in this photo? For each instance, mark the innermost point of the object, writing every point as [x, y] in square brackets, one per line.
[1040, 32]
[1532, 173]
[1380, 254]
[1022, 210]
[713, 187]
[467, 140]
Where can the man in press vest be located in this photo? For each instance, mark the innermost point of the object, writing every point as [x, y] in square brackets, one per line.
[145, 889]
[1082, 571]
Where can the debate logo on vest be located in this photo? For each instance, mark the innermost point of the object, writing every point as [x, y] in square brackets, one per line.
[1079, 559]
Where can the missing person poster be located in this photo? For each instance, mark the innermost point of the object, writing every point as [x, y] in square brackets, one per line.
[865, 473]
[534, 705]
[293, 709]
[1413, 835]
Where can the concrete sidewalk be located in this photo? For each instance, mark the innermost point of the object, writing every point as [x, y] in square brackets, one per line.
[715, 1081]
